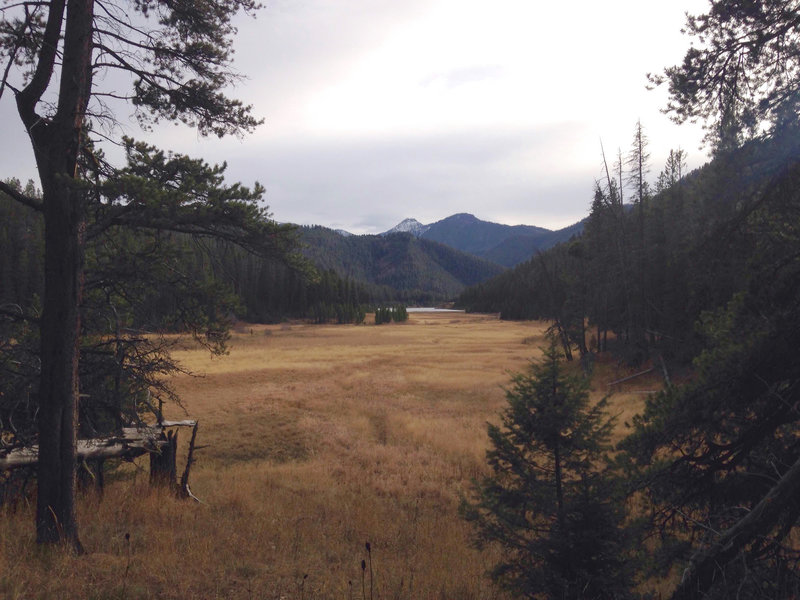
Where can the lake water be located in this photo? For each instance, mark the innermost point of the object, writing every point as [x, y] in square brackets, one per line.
[430, 309]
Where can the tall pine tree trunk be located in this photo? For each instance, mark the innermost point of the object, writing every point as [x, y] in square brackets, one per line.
[57, 146]
[58, 391]
[558, 472]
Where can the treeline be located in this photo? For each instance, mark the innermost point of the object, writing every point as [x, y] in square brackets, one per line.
[649, 264]
[270, 291]
[254, 289]
[21, 250]
[346, 277]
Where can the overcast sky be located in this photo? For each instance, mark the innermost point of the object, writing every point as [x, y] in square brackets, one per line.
[378, 110]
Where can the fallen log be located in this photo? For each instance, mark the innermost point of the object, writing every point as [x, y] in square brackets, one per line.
[134, 441]
[185, 423]
[634, 376]
[86, 450]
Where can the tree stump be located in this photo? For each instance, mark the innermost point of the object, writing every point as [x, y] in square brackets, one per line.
[162, 464]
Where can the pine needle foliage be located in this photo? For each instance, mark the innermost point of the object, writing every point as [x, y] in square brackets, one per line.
[549, 501]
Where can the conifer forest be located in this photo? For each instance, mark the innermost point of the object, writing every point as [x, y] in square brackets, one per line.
[692, 276]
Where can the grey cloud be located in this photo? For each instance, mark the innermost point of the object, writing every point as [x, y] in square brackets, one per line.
[458, 77]
[16, 155]
[295, 47]
[369, 185]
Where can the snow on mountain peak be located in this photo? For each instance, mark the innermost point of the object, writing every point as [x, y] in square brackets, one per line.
[411, 226]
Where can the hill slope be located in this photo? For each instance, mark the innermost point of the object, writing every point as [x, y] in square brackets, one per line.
[423, 270]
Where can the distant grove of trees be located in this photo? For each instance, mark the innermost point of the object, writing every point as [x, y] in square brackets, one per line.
[270, 291]
[389, 314]
[257, 289]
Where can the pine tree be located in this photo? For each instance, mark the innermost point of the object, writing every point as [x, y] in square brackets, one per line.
[548, 502]
[638, 168]
[741, 74]
[175, 62]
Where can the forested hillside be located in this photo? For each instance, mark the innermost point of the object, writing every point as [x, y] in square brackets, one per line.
[346, 274]
[519, 248]
[644, 273]
[697, 276]
[420, 270]
[470, 234]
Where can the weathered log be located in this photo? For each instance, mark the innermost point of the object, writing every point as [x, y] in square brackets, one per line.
[133, 442]
[634, 376]
[185, 423]
[86, 449]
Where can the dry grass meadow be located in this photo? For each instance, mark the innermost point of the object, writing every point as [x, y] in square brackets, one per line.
[317, 439]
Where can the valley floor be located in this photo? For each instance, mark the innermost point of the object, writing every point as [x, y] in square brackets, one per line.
[317, 439]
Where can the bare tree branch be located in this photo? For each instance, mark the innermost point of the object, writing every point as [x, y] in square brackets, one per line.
[20, 197]
[699, 575]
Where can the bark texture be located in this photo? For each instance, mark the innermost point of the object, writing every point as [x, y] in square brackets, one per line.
[57, 145]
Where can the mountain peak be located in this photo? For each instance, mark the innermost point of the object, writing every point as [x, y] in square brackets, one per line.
[467, 217]
[411, 226]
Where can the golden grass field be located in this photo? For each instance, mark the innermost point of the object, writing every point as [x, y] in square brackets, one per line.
[317, 439]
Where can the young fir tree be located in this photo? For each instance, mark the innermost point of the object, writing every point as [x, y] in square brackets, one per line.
[547, 501]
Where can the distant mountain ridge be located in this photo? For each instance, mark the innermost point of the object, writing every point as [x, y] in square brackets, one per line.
[507, 245]
[431, 262]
